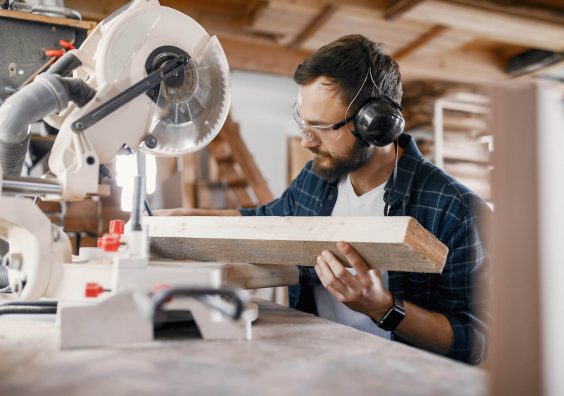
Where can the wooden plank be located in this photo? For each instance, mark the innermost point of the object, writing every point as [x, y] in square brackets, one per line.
[282, 19]
[86, 25]
[392, 243]
[501, 27]
[463, 147]
[253, 276]
[317, 23]
[399, 8]
[532, 10]
[370, 23]
[419, 42]
[261, 57]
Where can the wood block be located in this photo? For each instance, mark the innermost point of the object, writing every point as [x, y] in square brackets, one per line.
[253, 276]
[390, 243]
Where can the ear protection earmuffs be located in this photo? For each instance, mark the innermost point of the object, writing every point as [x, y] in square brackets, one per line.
[379, 120]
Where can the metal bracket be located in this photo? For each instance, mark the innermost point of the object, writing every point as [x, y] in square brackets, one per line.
[131, 93]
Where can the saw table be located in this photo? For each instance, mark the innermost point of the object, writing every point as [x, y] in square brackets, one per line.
[291, 353]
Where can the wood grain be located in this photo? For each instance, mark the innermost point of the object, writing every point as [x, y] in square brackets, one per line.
[86, 25]
[390, 243]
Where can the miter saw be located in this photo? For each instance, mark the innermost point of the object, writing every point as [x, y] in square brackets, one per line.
[150, 78]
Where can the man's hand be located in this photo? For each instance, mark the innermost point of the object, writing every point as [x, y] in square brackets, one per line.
[363, 292]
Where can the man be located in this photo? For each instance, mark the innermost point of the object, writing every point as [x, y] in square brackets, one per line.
[350, 176]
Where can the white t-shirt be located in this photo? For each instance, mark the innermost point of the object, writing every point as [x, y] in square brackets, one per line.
[349, 204]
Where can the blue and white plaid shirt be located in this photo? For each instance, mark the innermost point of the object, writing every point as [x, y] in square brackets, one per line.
[439, 203]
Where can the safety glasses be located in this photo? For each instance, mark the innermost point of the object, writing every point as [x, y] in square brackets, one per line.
[326, 130]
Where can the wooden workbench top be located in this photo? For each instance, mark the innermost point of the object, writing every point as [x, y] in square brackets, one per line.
[291, 353]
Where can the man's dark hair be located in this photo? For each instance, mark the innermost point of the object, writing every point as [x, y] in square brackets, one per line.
[345, 62]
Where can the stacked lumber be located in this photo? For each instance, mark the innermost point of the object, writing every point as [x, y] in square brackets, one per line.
[465, 147]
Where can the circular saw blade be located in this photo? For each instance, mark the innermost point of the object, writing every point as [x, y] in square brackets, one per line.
[188, 116]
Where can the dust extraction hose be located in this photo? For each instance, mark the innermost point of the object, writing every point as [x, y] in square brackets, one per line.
[48, 93]
[45, 95]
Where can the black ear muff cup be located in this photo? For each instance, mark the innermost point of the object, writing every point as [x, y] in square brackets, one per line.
[379, 121]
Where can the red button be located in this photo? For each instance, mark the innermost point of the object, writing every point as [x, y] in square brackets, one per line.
[93, 290]
[117, 227]
[109, 242]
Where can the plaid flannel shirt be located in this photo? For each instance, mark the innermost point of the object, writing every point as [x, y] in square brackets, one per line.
[439, 203]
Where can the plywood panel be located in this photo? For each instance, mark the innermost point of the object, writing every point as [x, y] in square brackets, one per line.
[391, 243]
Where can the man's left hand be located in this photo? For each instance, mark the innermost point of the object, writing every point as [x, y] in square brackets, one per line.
[363, 292]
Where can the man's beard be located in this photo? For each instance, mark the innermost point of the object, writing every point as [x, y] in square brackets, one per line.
[358, 156]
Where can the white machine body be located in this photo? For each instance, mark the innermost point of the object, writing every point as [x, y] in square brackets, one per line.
[182, 120]
[113, 59]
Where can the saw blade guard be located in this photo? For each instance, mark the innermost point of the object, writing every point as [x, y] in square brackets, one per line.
[190, 109]
[183, 114]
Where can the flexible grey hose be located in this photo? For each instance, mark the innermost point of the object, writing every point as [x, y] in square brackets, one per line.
[46, 95]
[4, 280]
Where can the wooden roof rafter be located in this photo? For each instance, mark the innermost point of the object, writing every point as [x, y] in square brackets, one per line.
[399, 8]
[273, 36]
[419, 42]
[321, 19]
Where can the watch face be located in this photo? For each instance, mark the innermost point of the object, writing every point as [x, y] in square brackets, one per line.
[393, 317]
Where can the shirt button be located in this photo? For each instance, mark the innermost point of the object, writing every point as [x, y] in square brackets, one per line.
[331, 197]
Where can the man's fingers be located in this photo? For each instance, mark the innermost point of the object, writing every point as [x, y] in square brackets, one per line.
[353, 257]
[340, 271]
[327, 277]
[339, 296]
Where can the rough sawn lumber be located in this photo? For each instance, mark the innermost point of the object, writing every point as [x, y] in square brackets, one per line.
[390, 243]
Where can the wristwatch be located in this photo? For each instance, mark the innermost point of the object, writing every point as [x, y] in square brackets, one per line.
[393, 317]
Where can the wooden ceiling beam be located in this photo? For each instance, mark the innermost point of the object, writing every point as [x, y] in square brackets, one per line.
[419, 42]
[496, 25]
[399, 8]
[538, 11]
[261, 57]
[317, 23]
[254, 11]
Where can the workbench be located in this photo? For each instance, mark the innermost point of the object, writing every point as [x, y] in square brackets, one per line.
[291, 353]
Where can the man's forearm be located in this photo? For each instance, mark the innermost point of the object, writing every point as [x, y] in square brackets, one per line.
[425, 329]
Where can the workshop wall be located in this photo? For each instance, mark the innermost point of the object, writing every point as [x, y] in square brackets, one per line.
[262, 106]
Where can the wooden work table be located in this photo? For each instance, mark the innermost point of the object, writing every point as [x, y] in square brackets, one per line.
[291, 353]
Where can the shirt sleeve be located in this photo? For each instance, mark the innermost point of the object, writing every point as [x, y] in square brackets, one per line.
[283, 206]
[458, 295]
